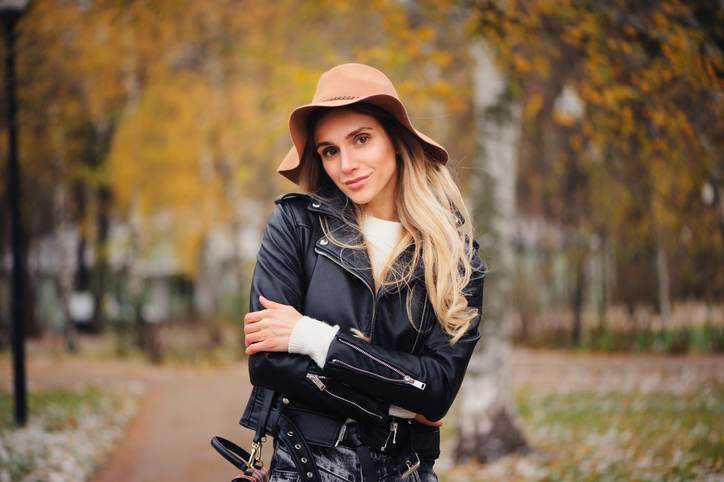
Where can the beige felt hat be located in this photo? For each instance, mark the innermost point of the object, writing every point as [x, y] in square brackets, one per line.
[343, 85]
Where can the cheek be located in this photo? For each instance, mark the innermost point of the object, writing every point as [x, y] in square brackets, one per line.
[386, 163]
[329, 169]
[381, 157]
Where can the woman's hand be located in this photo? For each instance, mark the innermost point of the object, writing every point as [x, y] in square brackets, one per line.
[269, 329]
[421, 418]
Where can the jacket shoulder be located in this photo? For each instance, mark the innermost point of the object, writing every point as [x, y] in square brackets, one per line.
[290, 196]
[293, 207]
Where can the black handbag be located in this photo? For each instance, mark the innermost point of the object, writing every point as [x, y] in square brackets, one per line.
[250, 463]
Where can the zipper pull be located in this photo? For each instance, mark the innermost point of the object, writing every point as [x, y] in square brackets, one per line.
[315, 379]
[415, 383]
[342, 431]
[384, 446]
[393, 434]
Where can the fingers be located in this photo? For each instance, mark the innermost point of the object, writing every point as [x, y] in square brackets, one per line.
[423, 420]
[250, 338]
[254, 316]
[269, 344]
[255, 347]
[267, 303]
[252, 327]
[267, 329]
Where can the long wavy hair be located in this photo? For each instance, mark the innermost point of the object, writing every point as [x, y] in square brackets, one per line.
[427, 201]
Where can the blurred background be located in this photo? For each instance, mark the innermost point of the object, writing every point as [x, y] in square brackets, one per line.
[587, 137]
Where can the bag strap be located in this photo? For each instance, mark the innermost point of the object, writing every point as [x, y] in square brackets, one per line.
[265, 411]
[231, 452]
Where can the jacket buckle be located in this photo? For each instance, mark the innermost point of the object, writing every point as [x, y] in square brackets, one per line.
[412, 464]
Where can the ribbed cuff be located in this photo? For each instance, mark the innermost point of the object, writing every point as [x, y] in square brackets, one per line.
[396, 411]
[312, 337]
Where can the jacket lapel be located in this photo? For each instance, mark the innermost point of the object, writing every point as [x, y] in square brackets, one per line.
[355, 261]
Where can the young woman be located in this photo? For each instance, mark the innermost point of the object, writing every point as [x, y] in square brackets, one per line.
[366, 295]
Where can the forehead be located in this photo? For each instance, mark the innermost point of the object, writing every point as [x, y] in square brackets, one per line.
[339, 122]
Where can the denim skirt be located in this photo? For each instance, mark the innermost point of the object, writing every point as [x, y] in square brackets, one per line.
[341, 464]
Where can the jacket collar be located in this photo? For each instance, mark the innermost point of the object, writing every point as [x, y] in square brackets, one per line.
[332, 204]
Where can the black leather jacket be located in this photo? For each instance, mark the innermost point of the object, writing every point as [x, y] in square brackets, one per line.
[411, 366]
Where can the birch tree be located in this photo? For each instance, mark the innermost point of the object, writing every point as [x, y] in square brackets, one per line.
[488, 422]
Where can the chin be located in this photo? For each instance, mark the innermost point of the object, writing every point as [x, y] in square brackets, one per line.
[358, 197]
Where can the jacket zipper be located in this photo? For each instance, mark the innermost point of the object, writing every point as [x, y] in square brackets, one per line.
[405, 377]
[407, 380]
[374, 297]
[422, 325]
[322, 387]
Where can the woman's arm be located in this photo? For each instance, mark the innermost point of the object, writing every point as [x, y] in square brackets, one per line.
[426, 384]
[279, 276]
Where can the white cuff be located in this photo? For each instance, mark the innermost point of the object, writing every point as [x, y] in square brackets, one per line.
[312, 337]
[400, 412]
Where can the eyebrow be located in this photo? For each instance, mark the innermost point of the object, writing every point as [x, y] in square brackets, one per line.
[351, 134]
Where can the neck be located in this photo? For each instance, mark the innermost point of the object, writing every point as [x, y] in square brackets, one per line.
[386, 214]
[383, 206]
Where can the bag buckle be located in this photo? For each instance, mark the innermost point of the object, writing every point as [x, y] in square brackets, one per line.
[255, 456]
[412, 464]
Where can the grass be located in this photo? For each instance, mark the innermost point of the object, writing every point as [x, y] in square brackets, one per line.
[616, 436]
[611, 419]
[68, 433]
[59, 408]
[672, 341]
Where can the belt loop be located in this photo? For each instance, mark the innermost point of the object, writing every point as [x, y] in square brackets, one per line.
[363, 452]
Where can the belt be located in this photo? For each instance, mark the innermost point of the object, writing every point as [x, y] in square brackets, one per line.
[293, 438]
[404, 468]
[291, 434]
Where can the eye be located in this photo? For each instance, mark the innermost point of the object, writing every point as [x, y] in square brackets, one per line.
[328, 151]
[362, 138]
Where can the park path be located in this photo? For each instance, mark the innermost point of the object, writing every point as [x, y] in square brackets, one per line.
[182, 408]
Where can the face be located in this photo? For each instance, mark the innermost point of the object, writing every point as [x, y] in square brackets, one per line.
[358, 155]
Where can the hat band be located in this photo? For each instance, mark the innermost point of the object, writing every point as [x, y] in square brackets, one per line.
[341, 97]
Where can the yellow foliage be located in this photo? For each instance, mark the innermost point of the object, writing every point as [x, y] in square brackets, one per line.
[563, 118]
[521, 63]
[532, 106]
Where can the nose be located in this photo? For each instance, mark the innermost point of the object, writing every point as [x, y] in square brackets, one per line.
[348, 161]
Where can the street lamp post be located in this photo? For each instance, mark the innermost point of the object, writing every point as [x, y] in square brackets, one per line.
[10, 11]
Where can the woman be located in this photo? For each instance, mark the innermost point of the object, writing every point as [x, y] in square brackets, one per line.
[367, 291]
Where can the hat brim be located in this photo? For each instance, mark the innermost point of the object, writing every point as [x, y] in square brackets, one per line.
[289, 167]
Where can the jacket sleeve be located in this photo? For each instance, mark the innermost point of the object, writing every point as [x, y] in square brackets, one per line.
[279, 276]
[426, 383]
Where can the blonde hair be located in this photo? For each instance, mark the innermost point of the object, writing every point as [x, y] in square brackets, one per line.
[427, 202]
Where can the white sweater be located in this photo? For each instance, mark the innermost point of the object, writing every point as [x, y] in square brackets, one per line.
[312, 337]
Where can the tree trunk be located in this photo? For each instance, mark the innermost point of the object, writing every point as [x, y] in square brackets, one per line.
[604, 295]
[662, 272]
[579, 260]
[488, 426]
[62, 229]
[101, 268]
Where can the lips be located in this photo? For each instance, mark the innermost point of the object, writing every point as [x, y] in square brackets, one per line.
[356, 182]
